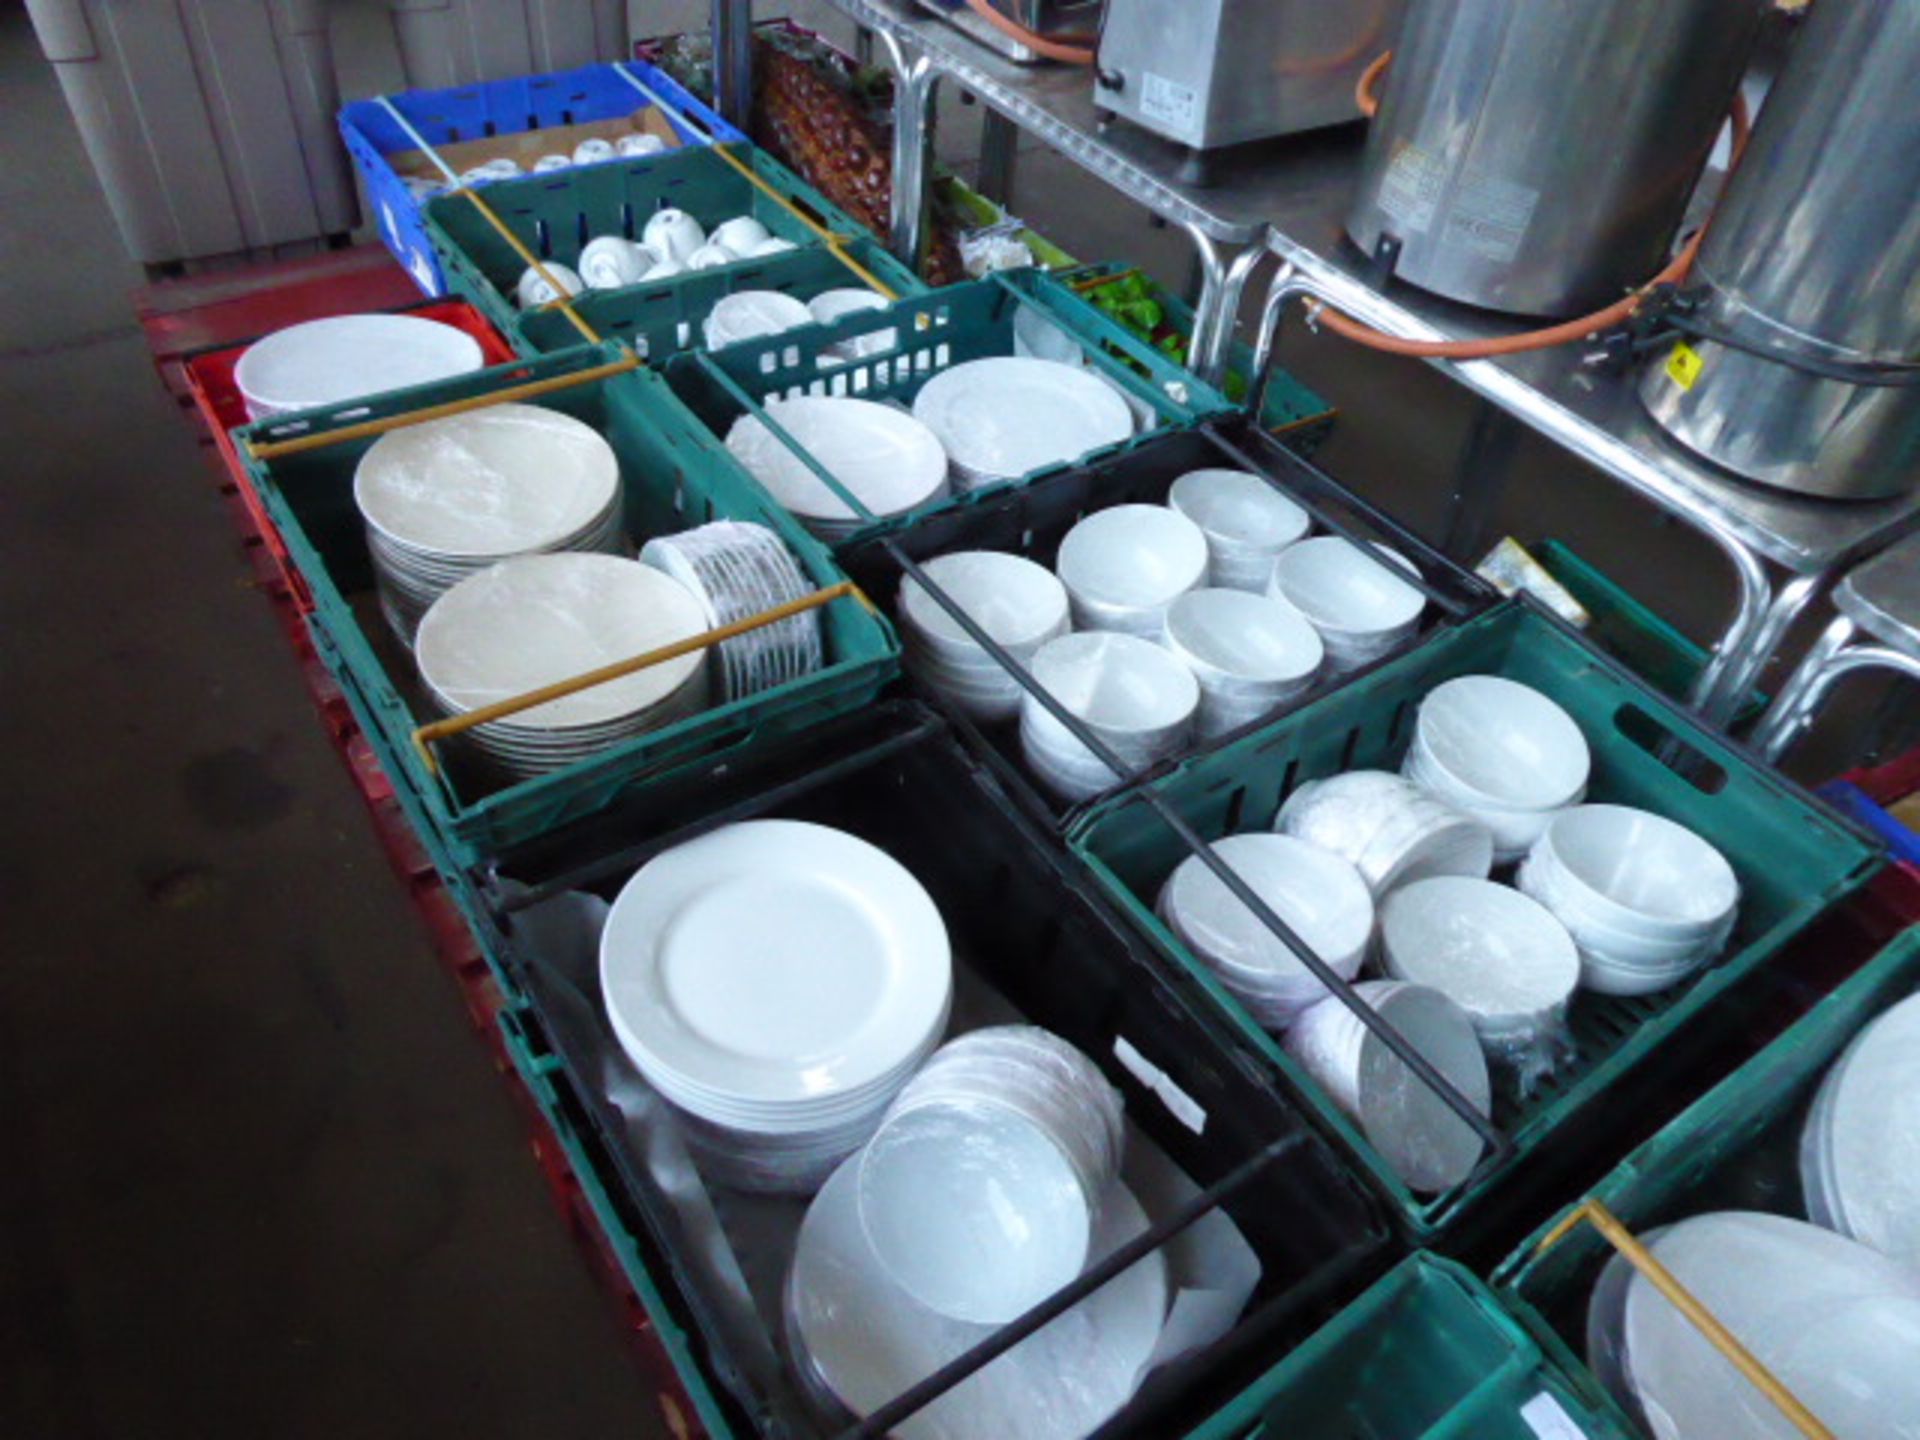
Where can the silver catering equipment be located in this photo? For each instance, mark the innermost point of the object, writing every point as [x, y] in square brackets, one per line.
[1050, 19]
[1210, 73]
[1536, 156]
[1815, 256]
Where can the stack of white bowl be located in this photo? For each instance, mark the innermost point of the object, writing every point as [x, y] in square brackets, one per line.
[1004, 417]
[1319, 896]
[831, 305]
[888, 461]
[777, 982]
[1426, 1142]
[1393, 832]
[1246, 521]
[1125, 565]
[1835, 1323]
[1252, 655]
[446, 499]
[980, 1192]
[1501, 957]
[1501, 752]
[538, 619]
[324, 362]
[1018, 603]
[1134, 696]
[1357, 602]
[1647, 901]
[737, 570]
[1860, 1148]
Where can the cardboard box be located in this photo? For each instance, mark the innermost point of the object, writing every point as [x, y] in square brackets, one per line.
[528, 146]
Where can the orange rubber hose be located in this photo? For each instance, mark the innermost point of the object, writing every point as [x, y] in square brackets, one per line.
[1565, 333]
[1365, 89]
[1067, 49]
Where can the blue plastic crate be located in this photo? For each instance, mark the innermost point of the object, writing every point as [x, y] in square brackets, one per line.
[496, 107]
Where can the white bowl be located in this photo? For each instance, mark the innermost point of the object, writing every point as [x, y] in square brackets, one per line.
[1134, 696]
[1500, 956]
[1641, 873]
[1247, 523]
[710, 257]
[740, 236]
[608, 262]
[774, 246]
[533, 290]
[1514, 831]
[1860, 1149]
[1018, 603]
[1348, 594]
[1124, 566]
[1497, 742]
[1244, 644]
[673, 235]
[752, 315]
[1316, 893]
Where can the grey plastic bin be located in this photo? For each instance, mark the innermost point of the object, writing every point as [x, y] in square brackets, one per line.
[210, 125]
[444, 43]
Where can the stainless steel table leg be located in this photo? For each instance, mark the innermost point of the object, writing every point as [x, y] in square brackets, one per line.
[733, 60]
[999, 148]
[915, 82]
[1741, 660]
[1830, 661]
[1218, 309]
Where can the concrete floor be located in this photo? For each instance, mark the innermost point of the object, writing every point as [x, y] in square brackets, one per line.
[262, 1180]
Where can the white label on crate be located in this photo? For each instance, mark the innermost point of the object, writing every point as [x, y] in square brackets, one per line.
[1167, 102]
[1188, 1111]
[1549, 1420]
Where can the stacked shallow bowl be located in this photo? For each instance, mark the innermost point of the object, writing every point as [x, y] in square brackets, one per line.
[1019, 605]
[1362, 604]
[539, 619]
[1246, 521]
[738, 570]
[1251, 655]
[777, 982]
[1860, 1147]
[446, 499]
[1124, 566]
[1647, 901]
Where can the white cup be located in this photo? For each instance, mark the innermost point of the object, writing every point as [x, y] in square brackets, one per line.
[710, 257]
[546, 164]
[740, 235]
[673, 235]
[608, 262]
[592, 151]
[633, 146]
[534, 291]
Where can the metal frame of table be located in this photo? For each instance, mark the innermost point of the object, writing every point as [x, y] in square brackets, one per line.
[1288, 199]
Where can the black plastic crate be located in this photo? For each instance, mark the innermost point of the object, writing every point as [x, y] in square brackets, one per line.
[1032, 521]
[1022, 926]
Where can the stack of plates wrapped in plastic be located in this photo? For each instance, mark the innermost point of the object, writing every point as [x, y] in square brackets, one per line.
[1005, 417]
[777, 982]
[738, 570]
[887, 460]
[539, 619]
[446, 499]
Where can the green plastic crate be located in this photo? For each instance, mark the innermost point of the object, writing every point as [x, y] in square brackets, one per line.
[1737, 1148]
[1429, 1353]
[668, 488]
[660, 320]
[931, 333]
[1653, 648]
[1794, 859]
[1292, 411]
[971, 210]
[554, 215]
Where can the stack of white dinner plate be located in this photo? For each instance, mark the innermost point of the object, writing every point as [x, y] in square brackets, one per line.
[888, 461]
[445, 499]
[737, 570]
[539, 619]
[777, 982]
[1005, 417]
[323, 362]
[1860, 1150]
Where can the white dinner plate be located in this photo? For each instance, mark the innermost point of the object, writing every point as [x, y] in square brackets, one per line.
[889, 461]
[323, 362]
[775, 960]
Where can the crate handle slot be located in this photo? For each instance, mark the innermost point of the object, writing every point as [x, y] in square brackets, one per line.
[272, 449]
[1498, 1145]
[462, 188]
[1649, 733]
[425, 736]
[1636, 1254]
[836, 244]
